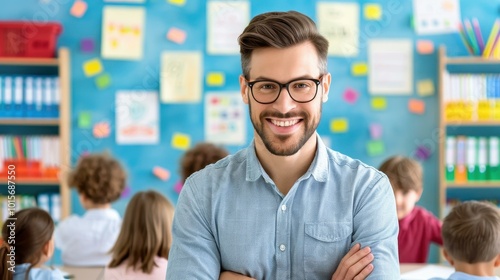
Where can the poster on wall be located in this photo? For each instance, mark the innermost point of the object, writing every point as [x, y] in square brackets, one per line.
[137, 120]
[122, 32]
[226, 21]
[339, 23]
[225, 118]
[390, 67]
[180, 77]
[436, 16]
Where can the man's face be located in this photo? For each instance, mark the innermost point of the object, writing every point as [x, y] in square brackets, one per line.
[285, 125]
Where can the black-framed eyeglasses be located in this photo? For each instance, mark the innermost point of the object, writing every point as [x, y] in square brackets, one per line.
[300, 90]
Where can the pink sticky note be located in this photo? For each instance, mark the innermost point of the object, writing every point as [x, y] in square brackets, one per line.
[126, 192]
[416, 106]
[176, 35]
[350, 95]
[425, 47]
[375, 131]
[161, 173]
[101, 130]
[78, 9]
[178, 187]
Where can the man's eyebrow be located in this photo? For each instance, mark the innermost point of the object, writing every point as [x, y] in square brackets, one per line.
[295, 78]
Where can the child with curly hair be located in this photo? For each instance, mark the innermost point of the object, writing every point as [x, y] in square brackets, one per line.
[86, 240]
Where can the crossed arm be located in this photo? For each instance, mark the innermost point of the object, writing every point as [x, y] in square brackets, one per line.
[356, 265]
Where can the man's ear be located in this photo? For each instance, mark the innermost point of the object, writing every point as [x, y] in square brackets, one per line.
[325, 83]
[243, 89]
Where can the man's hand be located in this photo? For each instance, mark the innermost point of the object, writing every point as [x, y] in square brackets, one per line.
[229, 275]
[356, 265]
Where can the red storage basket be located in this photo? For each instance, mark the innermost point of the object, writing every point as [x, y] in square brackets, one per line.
[29, 38]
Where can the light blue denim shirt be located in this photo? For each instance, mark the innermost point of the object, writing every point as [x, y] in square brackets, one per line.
[231, 216]
[36, 273]
[464, 276]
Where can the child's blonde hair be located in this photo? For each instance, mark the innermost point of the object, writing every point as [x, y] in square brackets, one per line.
[404, 173]
[471, 232]
[145, 232]
[29, 231]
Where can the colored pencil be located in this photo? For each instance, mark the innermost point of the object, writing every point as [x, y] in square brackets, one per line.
[463, 36]
[492, 39]
[479, 36]
[470, 35]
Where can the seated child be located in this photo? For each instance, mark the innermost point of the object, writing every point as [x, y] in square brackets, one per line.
[141, 250]
[471, 235]
[417, 226]
[199, 157]
[86, 240]
[27, 244]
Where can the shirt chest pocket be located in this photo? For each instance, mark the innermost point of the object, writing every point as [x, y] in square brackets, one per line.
[325, 244]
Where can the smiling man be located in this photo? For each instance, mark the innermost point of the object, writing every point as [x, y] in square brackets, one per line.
[286, 207]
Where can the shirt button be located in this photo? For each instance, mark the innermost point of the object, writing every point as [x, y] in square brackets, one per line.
[282, 247]
[283, 207]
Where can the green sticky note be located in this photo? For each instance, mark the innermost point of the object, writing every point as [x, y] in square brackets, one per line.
[375, 148]
[103, 81]
[84, 120]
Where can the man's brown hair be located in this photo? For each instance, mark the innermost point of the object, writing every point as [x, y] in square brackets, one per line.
[404, 173]
[200, 156]
[281, 30]
[471, 232]
[99, 177]
[146, 232]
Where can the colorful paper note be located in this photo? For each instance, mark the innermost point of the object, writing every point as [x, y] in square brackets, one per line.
[181, 141]
[375, 148]
[92, 67]
[350, 95]
[416, 106]
[422, 152]
[340, 125]
[103, 81]
[372, 11]
[436, 16]
[78, 9]
[225, 21]
[425, 87]
[379, 103]
[225, 118]
[375, 131]
[87, 45]
[425, 47]
[215, 79]
[122, 32]
[84, 120]
[137, 117]
[176, 35]
[181, 78]
[101, 130]
[161, 173]
[359, 69]
[177, 2]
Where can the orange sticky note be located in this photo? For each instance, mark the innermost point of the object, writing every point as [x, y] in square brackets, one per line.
[215, 79]
[359, 69]
[177, 2]
[425, 87]
[339, 125]
[176, 35]
[78, 9]
[416, 106]
[181, 141]
[92, 67]
[379, 103]
[372, 11]
[425, 47]
[101, 130]
[161, 173]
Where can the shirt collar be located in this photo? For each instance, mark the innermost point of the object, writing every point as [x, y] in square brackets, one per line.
[318, 168]
[102, 213]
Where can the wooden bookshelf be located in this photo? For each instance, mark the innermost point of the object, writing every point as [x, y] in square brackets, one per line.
[30, 122]
[473, 123]
[30, 61]
[32, 181]
[469, 60]
[473, 185]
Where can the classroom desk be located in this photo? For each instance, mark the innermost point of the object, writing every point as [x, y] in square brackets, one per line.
[84, 273]
[410, 267]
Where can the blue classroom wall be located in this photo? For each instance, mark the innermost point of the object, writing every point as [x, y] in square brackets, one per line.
[402, 131]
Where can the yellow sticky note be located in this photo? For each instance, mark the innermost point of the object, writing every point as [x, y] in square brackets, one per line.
[92, 67]
[416, 106]
[176, 35]
[78, 9]
[181, 141]
[177, 2]
[359, 69]
[379, 103]
[425, 87]
[215, 79]
[372, 11]
[340, 125]
[375, 148]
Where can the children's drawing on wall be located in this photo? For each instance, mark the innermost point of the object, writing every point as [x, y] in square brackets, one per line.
[436, 16]
[226, 21]
[122, 32]
[225, 118]
[180, 77]
[137, 117]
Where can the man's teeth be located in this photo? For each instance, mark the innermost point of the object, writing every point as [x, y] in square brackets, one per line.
[284, 123]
